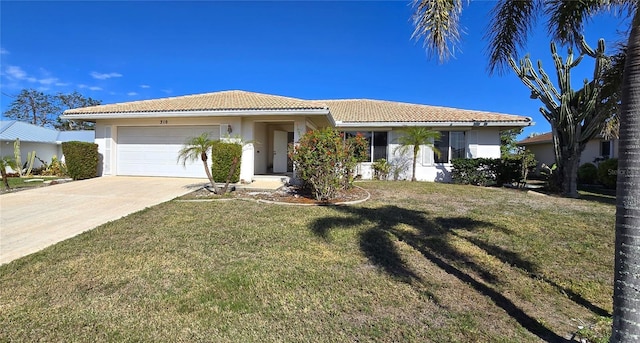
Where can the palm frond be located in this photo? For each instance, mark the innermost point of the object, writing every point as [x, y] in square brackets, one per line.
[507, 32]
[437, 22]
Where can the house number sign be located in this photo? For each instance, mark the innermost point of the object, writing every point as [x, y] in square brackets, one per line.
[164, 122]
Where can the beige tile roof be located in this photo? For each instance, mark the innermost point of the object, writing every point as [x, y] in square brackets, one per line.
[537, 139]
[364, 110]
[218, 101]
[345, 111]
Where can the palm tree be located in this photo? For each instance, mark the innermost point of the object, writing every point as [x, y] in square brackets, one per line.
[7, 162]
[415, 136]
[437, 21]
[198, 148]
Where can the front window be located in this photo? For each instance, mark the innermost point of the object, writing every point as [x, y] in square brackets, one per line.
[451, 145]
[605, 149]
[377, 143]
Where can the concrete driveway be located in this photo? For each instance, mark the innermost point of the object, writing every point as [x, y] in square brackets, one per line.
[33, 219]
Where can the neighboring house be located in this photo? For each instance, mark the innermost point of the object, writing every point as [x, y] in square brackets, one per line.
[596, 149]
[44, 141]
[144, 137]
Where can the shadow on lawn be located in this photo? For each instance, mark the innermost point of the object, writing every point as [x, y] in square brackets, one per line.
[432, 238]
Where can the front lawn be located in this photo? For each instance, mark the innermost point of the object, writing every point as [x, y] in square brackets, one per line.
[16, 183]
[418, 262]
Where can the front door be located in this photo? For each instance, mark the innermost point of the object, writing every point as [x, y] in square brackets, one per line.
[279, 151]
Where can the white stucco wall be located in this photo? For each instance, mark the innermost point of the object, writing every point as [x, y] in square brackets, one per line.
[480, 142]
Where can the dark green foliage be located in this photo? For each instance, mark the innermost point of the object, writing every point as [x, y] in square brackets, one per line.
[476, 171]
[588, 173]
[509, 169]
[81, 159]
[486, 171]
[608, 172]
[222, 156]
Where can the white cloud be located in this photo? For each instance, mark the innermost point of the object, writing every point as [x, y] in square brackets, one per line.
[16, 72]
[132, 93]
[4, 51]
[145, 86]
[95, 88]
[167, 91]
[61, 84]
[82, 86]
[104, 76]
[48, 81]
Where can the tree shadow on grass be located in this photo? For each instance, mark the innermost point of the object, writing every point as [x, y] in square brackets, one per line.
[432, 239]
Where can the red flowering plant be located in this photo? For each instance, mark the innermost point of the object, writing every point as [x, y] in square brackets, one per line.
[324, 161]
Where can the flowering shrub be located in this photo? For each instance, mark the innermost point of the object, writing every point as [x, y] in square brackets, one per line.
[324, 160]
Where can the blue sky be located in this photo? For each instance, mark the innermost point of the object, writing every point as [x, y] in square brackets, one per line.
[123, 51]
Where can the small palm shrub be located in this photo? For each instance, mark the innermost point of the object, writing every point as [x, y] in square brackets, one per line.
[381, 169]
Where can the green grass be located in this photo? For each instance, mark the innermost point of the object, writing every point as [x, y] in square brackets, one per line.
[419, 262]
[19, 182]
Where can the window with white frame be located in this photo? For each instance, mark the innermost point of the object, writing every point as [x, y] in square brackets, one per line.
[378, 143]
[605, 148]
[451, 145]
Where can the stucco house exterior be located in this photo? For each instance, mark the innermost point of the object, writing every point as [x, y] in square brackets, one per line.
[596, 149]
[46, 142]
[144, 137]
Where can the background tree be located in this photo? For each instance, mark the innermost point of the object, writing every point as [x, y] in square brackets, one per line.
[34, 107]
[412, 138]
[508, 139]
[198, 148]
[73, 100]
[43, 109]
[511, 21]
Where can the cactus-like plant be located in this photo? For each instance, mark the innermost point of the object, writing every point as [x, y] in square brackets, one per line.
[16, 155]
[31, 158]
[575, 116]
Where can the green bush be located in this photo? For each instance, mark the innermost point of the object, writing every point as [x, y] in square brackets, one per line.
[81, 159]
[474, 171]
[324, 160]
[381, 169]
[487, 171]
[588, 173]
[222, 156]
[608, 172]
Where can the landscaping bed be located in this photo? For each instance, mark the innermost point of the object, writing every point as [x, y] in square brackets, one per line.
[286, 194]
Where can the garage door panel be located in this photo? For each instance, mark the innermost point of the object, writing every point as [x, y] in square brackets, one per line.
[153, 151]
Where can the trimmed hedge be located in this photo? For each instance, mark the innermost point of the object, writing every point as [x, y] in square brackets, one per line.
[608, 172]
[222, 155]
[588, 173]
[486, 171]
[81, 159]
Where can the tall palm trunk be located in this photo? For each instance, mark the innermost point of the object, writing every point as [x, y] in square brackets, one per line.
[416, 149]
[207, 169]
[626, 291]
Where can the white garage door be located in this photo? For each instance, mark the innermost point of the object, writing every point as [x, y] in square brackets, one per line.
[153, 151]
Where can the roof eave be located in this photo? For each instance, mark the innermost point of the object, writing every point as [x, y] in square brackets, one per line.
[208, 113]
[436, 124]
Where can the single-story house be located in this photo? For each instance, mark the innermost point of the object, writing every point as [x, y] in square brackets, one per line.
[597, 149]
[144, 137]
[46, 142]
